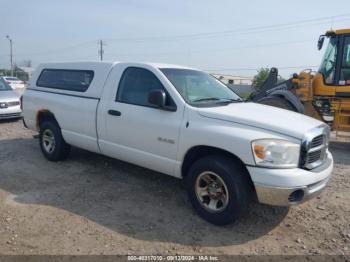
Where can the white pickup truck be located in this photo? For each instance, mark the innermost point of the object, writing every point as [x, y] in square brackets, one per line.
[181, 122]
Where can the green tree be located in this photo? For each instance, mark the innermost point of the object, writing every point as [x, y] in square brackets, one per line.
[260, 77]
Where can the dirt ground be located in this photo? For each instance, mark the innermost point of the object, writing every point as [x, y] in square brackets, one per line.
[91, 204]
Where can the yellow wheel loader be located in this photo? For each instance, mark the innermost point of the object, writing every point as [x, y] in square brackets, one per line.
[324, 94]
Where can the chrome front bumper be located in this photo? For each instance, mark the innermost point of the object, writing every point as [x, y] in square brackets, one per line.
[290, 187]
[10, 112]
[289, 196]
[9, 116]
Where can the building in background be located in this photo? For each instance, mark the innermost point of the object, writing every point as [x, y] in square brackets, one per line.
[239, 84]
[234, 80]
[22, 73]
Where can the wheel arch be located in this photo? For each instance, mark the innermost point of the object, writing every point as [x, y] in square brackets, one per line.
[200, 151]
[44, 115]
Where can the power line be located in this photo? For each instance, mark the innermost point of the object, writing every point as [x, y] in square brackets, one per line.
[216, 35]
[248, 30]
[254, 69]
[276, 27]
[79, 45]
[212, 50]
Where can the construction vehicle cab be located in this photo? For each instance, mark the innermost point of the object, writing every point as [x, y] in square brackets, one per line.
[334, 70]
[324, 94]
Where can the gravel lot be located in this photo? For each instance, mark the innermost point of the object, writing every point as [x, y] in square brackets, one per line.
[91, 204]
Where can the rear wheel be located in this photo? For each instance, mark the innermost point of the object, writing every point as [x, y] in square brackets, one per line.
[52, 143]
[219, 189]
[279, 102]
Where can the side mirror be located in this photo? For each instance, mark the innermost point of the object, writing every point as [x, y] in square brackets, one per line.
[320, 42]
[157, 98]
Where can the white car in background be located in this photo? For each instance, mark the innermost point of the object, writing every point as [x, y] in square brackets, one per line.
[10, 104]
[14, 82]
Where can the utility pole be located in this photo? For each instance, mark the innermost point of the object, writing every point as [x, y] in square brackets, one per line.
[11, 54]
[101, 50]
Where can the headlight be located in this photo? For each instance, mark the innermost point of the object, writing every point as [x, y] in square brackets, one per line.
[276, 153]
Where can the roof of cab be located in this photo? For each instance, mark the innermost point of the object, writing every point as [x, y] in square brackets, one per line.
[163, 65]
[342, 31]
[105, 64]
[338, 32]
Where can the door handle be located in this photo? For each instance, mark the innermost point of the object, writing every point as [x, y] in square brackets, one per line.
[114, 113]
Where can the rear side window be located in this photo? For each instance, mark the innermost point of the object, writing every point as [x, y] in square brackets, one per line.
[72, 80]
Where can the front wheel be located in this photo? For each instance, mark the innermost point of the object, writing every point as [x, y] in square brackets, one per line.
[52, 143]
[219, 189]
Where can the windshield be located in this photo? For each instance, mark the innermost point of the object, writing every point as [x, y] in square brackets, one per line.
[327, 67]
[4, 86]
[199, 88]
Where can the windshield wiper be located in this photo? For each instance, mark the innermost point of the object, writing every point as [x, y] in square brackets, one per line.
[219, 100]
[207, 99]
[230, 100]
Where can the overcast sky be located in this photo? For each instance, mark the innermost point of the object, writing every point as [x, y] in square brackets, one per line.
[226, 36]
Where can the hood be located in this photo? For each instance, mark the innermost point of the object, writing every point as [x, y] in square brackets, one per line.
[10, 95]
[262, 116]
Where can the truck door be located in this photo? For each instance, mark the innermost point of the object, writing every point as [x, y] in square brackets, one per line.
[135, 131]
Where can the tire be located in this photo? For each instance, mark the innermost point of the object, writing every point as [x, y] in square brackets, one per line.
[50, 134]
[277, 102]
[234, 179]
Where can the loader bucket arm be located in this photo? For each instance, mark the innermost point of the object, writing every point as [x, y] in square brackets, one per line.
[270, 82]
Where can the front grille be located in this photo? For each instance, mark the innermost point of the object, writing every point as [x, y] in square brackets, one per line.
[9, 104]
[14, 103]
[317, 141]
[10, 115]
[315, 147]
[314, 156]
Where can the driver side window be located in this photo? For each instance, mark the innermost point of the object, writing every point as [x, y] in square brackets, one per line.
[136, 84]
[327, 67]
